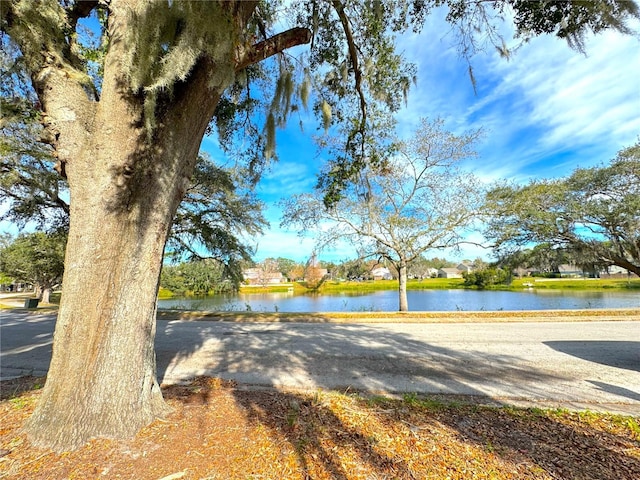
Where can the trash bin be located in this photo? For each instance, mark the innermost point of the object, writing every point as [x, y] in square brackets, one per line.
[31, 303]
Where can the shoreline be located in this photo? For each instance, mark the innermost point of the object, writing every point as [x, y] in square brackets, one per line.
[499, 316]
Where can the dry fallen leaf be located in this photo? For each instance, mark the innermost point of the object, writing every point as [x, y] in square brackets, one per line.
[218, 431]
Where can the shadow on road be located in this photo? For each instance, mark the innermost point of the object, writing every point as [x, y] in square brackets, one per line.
[339, 356]
[620, 391]
[26, 340]
[612, 353]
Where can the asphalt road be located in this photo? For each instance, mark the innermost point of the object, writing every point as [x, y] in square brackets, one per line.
[579, 364]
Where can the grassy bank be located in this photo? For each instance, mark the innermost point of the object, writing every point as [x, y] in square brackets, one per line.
[331, 286]
[501, 316]
[374, 285]
[281, 288]
[577, 283]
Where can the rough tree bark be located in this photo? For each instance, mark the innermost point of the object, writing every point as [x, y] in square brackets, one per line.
[125, 190]
[125, 187]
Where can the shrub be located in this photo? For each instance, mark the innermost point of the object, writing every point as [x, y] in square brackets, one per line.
[485, 277]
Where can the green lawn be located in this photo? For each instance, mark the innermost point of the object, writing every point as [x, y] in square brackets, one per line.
[374, 285]
[577, 283]
[446, 283]
[455, 283]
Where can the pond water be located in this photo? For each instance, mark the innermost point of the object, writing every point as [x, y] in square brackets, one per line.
[419, 300]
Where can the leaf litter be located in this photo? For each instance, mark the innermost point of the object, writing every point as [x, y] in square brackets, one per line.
[219, 430]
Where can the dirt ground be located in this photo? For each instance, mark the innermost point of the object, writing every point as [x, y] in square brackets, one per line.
[220, 431]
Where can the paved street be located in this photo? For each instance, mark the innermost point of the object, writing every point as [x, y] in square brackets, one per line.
[554, 363]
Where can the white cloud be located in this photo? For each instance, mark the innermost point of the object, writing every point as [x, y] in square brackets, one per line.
[572, 100]
[287, 178]
[546, 111]
[281, 243]
[604, 96]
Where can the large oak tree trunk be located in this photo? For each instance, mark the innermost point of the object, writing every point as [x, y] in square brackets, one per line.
[102, 379]
[125, 187]
[128, 164]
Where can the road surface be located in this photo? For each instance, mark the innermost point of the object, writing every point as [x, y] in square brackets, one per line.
[578, 364]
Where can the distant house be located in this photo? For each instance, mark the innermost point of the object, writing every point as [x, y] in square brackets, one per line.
[522, 272]
[258, 276]
[570, 271]
[449, 273]
[428, 273]
[381, 273]
[464, 267]
[614, 271]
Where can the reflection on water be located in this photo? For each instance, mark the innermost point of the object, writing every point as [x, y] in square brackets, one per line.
[419, 300]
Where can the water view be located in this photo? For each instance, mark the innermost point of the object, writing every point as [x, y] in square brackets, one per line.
[419, 300]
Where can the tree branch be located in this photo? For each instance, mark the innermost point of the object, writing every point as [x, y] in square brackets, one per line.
[6, 16]
[59, 84]
[353, 55]
[81, 9]
[276, 44]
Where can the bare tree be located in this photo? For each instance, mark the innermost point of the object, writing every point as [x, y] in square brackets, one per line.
[417, 200]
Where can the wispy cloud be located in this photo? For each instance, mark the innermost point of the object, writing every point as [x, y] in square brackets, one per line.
[578, 100]
[282, 243]
[545, 112]
[287, 178]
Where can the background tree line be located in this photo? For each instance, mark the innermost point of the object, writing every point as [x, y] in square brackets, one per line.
[36, 259]
[203, 277]
[588, 220]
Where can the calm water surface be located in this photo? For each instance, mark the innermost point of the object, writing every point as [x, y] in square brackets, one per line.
[419, 300]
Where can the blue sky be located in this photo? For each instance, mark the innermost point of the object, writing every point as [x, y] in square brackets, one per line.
[545, 112]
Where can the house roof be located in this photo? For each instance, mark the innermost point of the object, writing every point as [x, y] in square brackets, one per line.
[449, 270]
